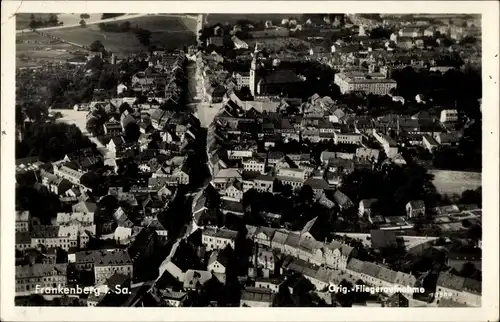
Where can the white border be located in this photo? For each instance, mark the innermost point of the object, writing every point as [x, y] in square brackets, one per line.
[490, 36]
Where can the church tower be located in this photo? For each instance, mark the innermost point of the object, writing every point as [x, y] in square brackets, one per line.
[254, 67]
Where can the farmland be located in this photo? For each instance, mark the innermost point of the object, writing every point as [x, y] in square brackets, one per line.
[33, 49]
[233, 18]
[455, 182]
[171, 32]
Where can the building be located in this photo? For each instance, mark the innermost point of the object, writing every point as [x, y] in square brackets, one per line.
[79, 218]
[108, 262]
[140, 252]
[448, 116]
[23, 221]
[254, 164]
[378, 275]
[460, 290]
[369, 83]
[366, 207]
[415, 208]
[68, 173]
[429, 143]
[389, 144]
[271, 82]
[242, 79]
[238, 43]
[256, 297]
[217, 263]
[348, 138]
[410, 32]
[31, 279]
[218, 238]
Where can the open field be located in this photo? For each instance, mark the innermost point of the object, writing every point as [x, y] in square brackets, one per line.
[171, 32]
[234, 17]
[23, 19]
[33, 49]
[455, 182]
[115, 42]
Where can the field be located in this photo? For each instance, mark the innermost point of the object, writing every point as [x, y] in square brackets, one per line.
[233, 18]
[23, 19]
[33, 49]
[171, 32]
[455, 182]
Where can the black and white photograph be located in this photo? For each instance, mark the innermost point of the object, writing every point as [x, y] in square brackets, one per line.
[233, 160]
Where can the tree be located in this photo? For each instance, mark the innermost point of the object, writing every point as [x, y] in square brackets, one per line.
[83, 24]
[144, 36]
[132, 132]
[468, 269]
[96, 46]
[110, 15]
[53, 20]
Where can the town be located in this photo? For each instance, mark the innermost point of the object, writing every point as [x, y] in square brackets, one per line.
[271, 161]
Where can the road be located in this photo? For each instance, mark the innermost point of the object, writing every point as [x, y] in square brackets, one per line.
[124, 17]
[204, 111]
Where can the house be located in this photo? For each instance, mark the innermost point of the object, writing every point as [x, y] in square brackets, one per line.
[429, 143]
[264, 236]
[264, 183]
[85, 207]
[366, 207]
[254, 164]
[115, 144]
[23, 221]
[415, 208]
[113, 128]
[270, 283]
[218, 262]
[265, 259]
[232, 206]
[342, 200]
[235, 190]
[68, 173]
[256, 297]
[397, 300]
[218, 238]
[45, 275]
[22, 240]
[140, 253]
[110, 261]
[464, 291]
[318, 185]
[195, 278]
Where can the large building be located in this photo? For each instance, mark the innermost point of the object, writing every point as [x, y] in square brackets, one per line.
[108, 262]
[375, 83]
[271, 82]
[32, 279]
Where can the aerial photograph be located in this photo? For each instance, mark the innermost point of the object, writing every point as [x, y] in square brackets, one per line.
[248, 160]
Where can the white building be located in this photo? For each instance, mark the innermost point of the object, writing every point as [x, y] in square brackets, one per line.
[348, 138]
[369, 83]
[22, 221]
[218, 238]
[448, 116]
[108, 262]
[31, 279]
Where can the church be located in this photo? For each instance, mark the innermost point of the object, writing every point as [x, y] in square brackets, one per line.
[271, 82]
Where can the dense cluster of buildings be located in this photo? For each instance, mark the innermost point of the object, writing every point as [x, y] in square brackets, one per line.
[263, 147]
